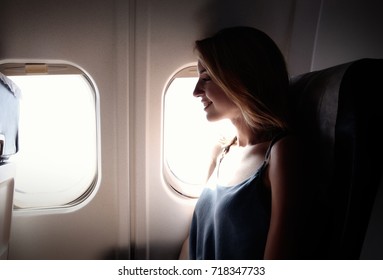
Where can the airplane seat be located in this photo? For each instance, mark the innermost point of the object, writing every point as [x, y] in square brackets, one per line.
[9, 119]
[339, 111]
[6, 207]
[373, 243]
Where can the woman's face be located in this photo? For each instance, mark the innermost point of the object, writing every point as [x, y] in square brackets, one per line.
[216, 103]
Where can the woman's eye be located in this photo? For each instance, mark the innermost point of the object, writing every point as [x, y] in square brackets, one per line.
[206, 79]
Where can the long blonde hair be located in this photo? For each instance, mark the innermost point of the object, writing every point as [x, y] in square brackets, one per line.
[249, 67]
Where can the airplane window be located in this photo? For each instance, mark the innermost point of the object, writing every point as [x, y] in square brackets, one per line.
[188, 136]
[57, 163]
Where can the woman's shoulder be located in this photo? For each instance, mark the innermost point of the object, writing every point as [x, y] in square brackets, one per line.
[286, 156]
[288, 143]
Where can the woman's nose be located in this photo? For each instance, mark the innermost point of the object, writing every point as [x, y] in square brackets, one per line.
[198, 91]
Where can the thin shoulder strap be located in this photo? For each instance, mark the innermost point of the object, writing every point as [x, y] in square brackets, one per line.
[273, 141]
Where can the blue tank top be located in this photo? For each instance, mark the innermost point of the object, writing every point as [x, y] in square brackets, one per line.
[232, 222]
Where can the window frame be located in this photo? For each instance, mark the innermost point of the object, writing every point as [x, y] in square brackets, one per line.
[49, 67]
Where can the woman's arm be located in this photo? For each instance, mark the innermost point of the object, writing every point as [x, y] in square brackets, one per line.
[184, 254]
[216, 152]
[285, 177]
[217, 149]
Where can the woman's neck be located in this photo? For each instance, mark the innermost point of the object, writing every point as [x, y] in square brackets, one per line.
[246, 136]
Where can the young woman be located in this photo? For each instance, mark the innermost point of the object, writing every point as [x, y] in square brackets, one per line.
[251, 206]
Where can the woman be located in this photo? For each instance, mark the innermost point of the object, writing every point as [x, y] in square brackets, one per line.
[251, 206]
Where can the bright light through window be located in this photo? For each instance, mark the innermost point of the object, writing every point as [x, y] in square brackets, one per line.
[57, 158]
[188, 137]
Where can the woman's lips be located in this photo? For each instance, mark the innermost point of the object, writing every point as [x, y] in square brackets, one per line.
[206, 104]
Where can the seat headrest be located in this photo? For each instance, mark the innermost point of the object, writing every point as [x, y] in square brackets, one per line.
[338, 110]
[9, 117]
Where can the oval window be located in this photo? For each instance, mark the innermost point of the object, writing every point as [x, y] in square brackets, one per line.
[57, 164]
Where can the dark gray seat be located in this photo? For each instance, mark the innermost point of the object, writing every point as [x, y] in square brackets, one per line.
[340, 112]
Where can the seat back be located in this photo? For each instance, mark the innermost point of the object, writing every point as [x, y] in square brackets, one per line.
[6, 206]
[9, 117]
[9, 125]
[339, 110]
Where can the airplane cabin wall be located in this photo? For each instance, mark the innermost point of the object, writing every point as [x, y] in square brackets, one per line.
[131, 49]
[84, 33]
[348, 30]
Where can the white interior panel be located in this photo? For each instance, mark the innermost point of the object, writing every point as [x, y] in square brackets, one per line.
[81, 33]
[348, 30]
